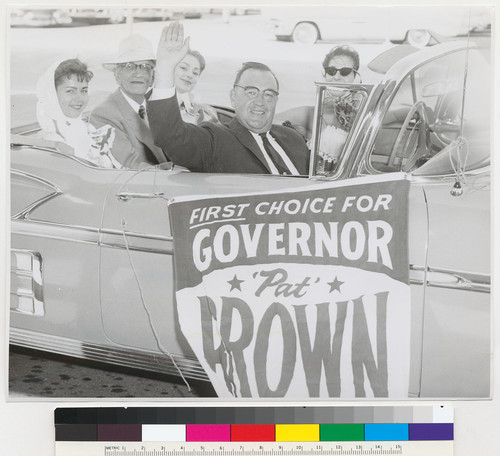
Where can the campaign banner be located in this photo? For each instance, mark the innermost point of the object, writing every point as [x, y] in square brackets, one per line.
[298, 294]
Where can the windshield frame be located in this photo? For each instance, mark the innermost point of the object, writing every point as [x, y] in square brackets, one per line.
[341, 171]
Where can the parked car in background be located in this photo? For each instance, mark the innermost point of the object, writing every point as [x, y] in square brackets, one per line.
[232, 11]
[98, 15]
[119, 15]
[187, 13]
[152, 14]
[418, 26]
[91, 248]
[39, 17]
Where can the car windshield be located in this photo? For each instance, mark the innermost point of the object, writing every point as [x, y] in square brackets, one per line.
[337, 110]
[438, 119]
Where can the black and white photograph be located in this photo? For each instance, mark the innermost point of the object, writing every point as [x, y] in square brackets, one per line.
[250, 203]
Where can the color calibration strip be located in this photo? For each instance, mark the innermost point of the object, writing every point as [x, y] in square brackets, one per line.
[254, 424]
[255, 432]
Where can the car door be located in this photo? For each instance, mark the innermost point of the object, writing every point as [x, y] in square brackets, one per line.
[456, 339]
[136, 267]
[137, 293]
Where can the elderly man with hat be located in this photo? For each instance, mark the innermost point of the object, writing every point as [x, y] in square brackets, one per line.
[124, 109]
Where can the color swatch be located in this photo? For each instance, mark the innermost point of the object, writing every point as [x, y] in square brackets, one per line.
[254, 424]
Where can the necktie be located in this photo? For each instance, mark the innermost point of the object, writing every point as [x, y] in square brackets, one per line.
[142, 112]
[274, 155]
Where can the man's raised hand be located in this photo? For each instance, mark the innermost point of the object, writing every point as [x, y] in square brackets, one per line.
[172, 48]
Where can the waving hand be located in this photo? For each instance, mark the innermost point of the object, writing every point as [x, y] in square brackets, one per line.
[172, 48]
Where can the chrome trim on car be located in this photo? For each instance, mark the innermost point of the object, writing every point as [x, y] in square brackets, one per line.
[116, 355]
[362, 118]
[24, 141]
[164, 245]
[26, 283]
[24, 214]
[137, 241]
[447, 278]
[105, 238]
[54, 231]
[25, 129]
[127, 196]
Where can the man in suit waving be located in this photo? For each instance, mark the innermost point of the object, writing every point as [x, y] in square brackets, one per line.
[125, 109]
[247, 144]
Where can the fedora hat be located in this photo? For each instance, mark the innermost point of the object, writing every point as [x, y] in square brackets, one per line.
[132, 49]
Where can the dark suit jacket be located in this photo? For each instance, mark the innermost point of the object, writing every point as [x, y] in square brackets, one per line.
[133, 145]
[218, 148]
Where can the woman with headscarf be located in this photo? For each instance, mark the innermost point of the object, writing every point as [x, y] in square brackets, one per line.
[62, 93]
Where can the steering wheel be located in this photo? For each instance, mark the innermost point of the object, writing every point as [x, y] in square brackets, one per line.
[417, 143]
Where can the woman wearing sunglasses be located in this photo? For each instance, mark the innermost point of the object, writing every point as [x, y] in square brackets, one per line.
[340, 65]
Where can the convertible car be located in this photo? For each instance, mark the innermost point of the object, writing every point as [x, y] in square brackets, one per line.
[92, 253]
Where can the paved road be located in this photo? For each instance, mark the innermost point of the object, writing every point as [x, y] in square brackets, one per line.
[37, 374]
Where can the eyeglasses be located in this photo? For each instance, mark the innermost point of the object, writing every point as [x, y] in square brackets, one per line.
[345, 71]
[131, 67]
[253, 92]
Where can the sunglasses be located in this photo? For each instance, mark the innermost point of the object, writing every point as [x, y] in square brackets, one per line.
[345, 71]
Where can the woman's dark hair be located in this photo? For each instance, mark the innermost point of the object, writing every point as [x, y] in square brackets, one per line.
[254, 66]
[69, 67]
[200, 58]
[342, 50]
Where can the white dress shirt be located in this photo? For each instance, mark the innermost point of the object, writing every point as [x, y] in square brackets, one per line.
[278, 149]
[135, 106]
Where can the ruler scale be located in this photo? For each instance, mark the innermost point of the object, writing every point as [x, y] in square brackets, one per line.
[436, 448]
[254, 431]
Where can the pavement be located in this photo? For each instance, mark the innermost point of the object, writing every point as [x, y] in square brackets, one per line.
[41, 375]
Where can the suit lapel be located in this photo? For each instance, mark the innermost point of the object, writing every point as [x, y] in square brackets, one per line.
[281, 139]
[138, 126]
[247, 140]
[289, 144]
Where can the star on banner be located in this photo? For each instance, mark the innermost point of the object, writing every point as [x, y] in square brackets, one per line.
[235, 283]
[335, 284]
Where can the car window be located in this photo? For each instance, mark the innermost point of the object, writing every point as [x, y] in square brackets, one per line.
[438, 119]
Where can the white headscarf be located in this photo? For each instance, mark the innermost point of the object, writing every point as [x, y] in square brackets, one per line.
[75, 132]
